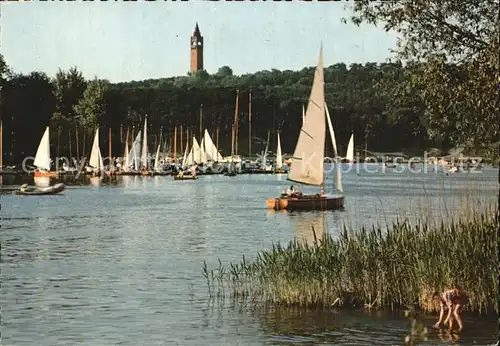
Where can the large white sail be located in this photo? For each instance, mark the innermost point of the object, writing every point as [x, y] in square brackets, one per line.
[144, 154]
[42, 157]
[279, 156]
[338, 178]
[307, 166]
[95, 156]
[350, 149]
[210, 148]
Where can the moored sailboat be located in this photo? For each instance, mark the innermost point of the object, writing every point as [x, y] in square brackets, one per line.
[42, 157]
[278, 169]
[144, 153]
[96, 165]
[308, 157]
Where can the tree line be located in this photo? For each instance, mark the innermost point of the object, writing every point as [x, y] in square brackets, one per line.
[444, 95]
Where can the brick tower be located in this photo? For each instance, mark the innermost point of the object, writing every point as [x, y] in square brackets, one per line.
[196, 50]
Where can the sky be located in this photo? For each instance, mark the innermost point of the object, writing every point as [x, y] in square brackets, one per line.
[122, 41]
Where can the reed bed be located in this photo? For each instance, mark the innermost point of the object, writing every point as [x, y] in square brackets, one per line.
[399, 267]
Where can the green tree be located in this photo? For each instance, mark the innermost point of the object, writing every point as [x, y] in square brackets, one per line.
[4, 71]
[224, 71]
[456, 44]
[90, 108]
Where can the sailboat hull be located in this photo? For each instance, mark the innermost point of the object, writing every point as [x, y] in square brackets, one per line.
[45, 174]
[306, 202]
[185, 177]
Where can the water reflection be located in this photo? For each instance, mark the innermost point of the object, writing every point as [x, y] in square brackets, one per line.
[131, 253]
[95, 181]
[447, 335]
[293, 325]
[42, 181]
[308, 226]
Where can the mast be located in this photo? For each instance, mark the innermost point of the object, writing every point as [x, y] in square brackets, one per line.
[1, 143]
[77, 144]
[69, 142]
[125, 154]
[232, 141]
[144, 152]
[181, 143]
[217, 137]
[109, 148]
[250, 123]
[201, 121]
[236, 123]
[175, 142]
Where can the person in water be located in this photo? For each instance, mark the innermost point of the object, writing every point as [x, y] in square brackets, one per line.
[452, 300]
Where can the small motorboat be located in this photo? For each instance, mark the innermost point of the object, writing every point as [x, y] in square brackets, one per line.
[185, 176]
[39, 191]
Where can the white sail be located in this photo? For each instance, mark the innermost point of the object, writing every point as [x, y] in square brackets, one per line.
[144, 154]
[332, 133]
[196, 151]
[157, 159]
[203, 154]
[264, 157]
[127, 158]
[210, 149]
[134, 154]
[303, 114]
[185, 158]
[95, 156]
[42, 157]
[338, 177]
[194, 155]
[307, 166]
[350, 149]
[279, 156]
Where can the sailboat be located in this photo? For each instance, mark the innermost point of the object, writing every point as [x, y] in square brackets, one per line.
[42, 157]
[144, 153]
[131, 166]
[350, 150]
[189, 160]
[278, 169]
[96, 164]
[308, 157]
[211, 151]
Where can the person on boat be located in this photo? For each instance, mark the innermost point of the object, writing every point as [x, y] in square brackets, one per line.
[451, 299]
[23, 187]
[290, 190]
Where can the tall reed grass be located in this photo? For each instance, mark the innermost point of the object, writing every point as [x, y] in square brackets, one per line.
[398, 267]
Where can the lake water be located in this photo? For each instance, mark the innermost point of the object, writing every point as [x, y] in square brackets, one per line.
[121, 264]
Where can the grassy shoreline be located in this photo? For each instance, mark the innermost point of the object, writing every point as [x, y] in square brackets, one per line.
[397, 268]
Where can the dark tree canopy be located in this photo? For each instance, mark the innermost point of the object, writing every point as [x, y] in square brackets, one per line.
[441, 92]
[456, 80]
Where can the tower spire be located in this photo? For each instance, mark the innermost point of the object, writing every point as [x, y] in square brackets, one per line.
[196, 44]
